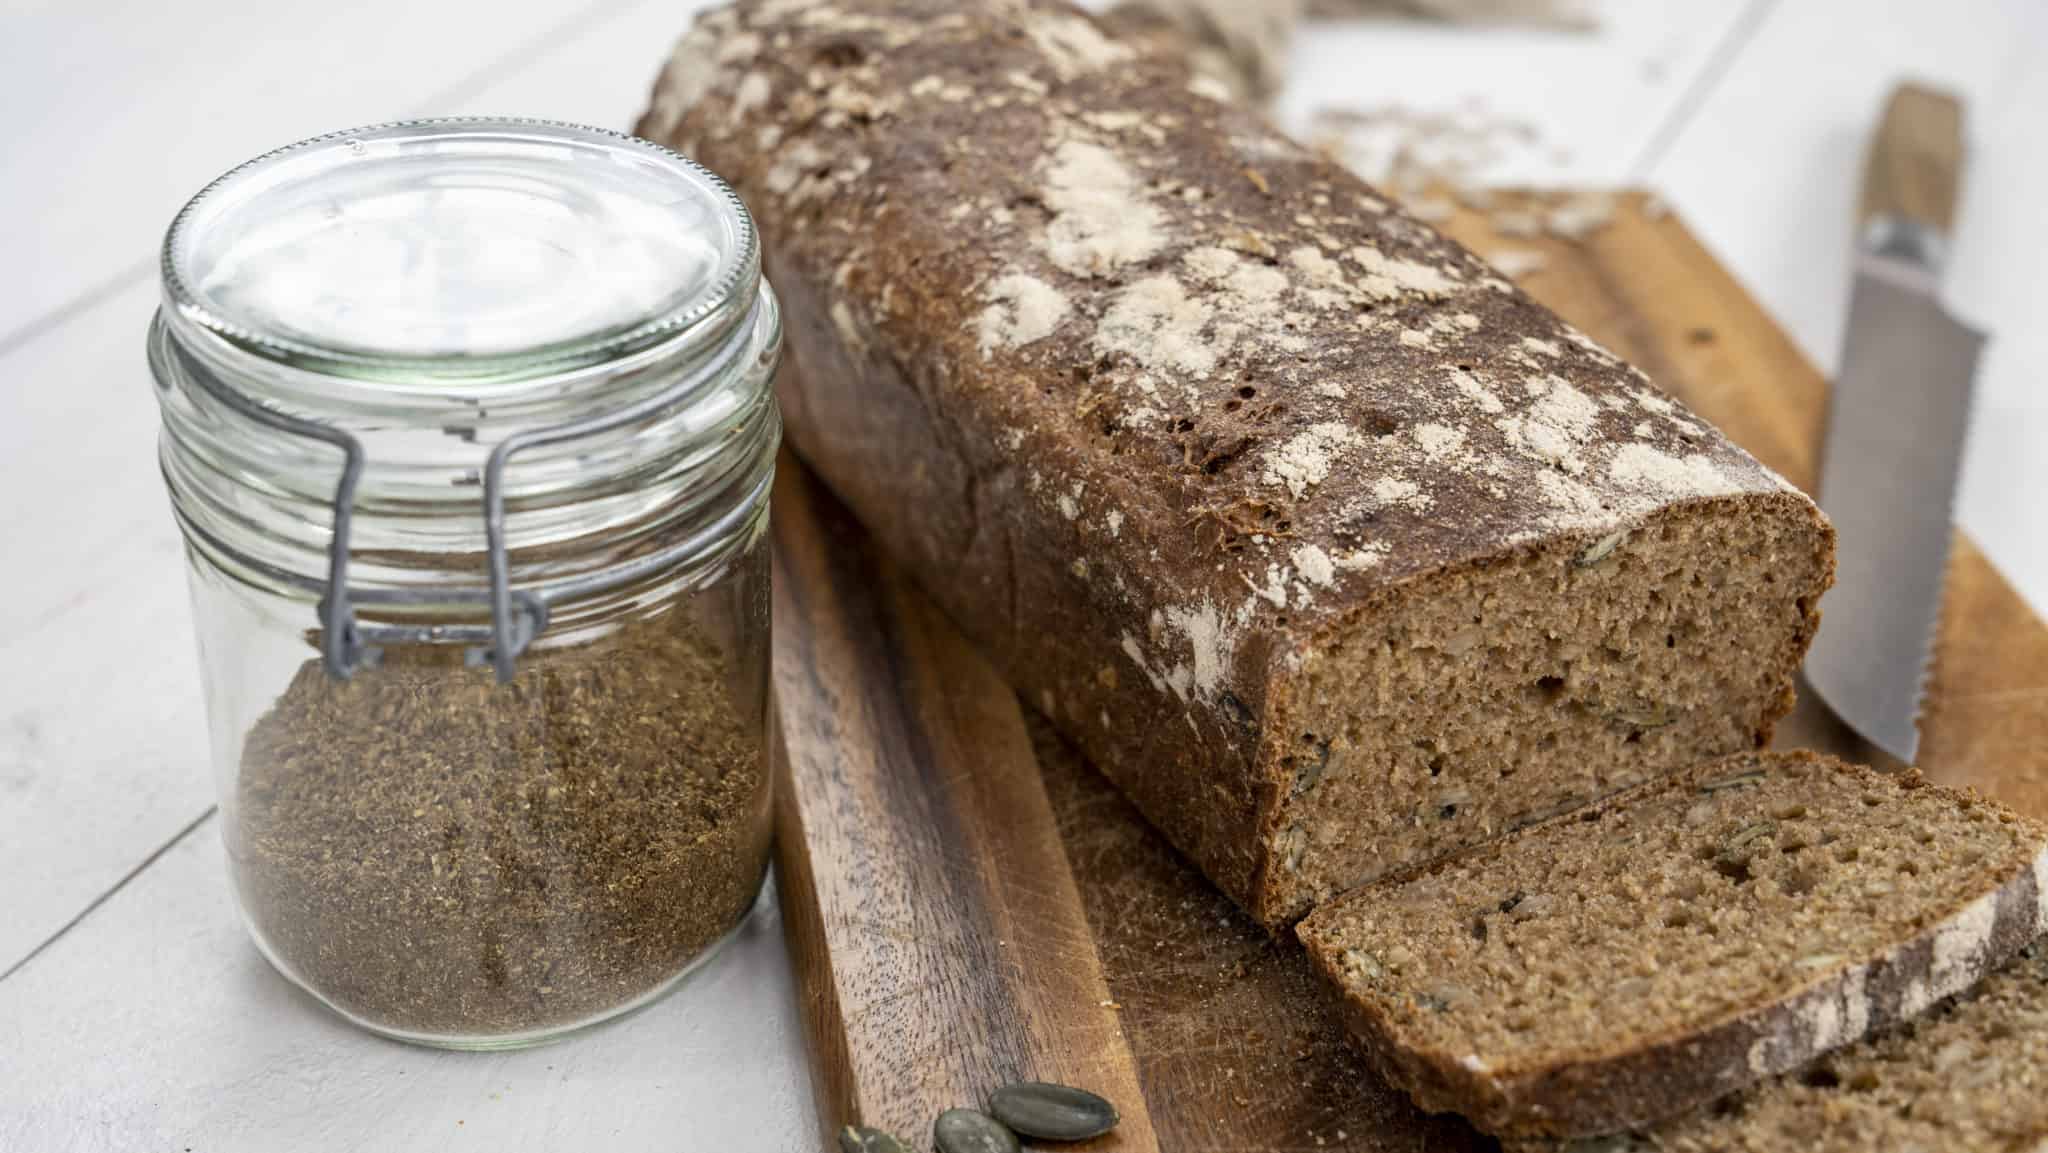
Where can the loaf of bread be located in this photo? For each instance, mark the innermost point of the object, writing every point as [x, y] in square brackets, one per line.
[1971, 1076]
[1331, 548]
[1619, 966]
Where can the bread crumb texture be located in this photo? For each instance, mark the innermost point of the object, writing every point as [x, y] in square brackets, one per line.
[1217, 300]
[1753, 912]
[1971, 1076]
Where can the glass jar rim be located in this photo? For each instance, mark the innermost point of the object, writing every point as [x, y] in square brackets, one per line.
[430, 298]
[727, 286]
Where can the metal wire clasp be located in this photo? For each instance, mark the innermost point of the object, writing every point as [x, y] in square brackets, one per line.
[346, 644]
[518, 616]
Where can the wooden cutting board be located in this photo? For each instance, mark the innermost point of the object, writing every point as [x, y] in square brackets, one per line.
[969, 904]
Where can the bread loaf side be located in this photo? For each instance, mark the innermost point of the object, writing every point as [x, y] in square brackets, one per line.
[1331, 548]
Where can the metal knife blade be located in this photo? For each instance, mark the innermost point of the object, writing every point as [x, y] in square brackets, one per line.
[1895, 438]
[1895, 441]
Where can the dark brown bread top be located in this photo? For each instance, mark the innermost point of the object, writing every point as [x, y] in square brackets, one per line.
[1317, 387]
[1619, 966]
[1100, 356]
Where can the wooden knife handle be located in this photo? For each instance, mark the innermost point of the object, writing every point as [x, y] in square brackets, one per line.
[1915, 170]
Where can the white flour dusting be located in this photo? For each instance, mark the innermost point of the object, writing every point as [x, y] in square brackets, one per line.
[1475, 391]
[1648, 470]
[1157, 323]
[1387, 278]
[1394, 492]
[1137, 654]
[1959, 947]
[1022, 310]
[1367, 556]
[1074, 46]
[790, 168]
[1315, 566]
[1275, 588]
[691, 72]
[1250, 291]
[1328, 287]
[2041, 893]
[1102, 220]
[1305, 461]
[1575, 504]
[1440, 443]
[753, 93]
[1554, 429]
[1210, 641]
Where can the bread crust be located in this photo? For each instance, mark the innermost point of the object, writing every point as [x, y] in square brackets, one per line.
[1151, 399]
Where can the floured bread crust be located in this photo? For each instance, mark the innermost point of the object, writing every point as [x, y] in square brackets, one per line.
[1623, 965]
[1154, 400]
[1971, 1076]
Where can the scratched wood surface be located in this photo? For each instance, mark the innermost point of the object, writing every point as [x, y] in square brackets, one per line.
[968, 901]
[927, 898]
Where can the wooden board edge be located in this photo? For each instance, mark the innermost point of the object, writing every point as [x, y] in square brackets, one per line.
[974, 841]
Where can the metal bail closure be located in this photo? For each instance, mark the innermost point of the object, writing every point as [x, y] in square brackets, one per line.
[346, 644]
[519, 255]
[518, 616]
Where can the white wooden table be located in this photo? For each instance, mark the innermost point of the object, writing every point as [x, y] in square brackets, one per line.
[134, 1015]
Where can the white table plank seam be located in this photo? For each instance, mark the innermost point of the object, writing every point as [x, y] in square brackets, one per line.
[111, 891]
[480, 79]
[1720, 63]
[81, 305]
[534, 50]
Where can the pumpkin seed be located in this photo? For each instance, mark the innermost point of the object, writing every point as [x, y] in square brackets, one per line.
[969, 1131]
[1366, 963]
[1645, 717]
[1737, 781]
[1052, 1112]
[1739, 848]
[1308, 769]
[1292, 846]
[1751, 832]
[1600, 549]
[861, 1139]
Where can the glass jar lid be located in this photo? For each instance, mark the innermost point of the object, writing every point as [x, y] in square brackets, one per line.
[526, 349]
[458, 248]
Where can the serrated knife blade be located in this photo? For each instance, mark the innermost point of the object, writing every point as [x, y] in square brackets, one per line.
[1896, 428]
[1895, 443]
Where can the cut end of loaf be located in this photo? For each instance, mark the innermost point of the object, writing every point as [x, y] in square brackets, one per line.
[1488, 698]
[1619, 966]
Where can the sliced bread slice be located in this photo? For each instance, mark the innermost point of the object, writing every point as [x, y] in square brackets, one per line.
[1612, 968]
[1971, 1076]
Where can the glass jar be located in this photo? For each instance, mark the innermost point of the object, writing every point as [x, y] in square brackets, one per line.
[470, 430]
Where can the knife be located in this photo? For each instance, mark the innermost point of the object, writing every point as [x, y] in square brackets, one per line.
[1895, 429]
